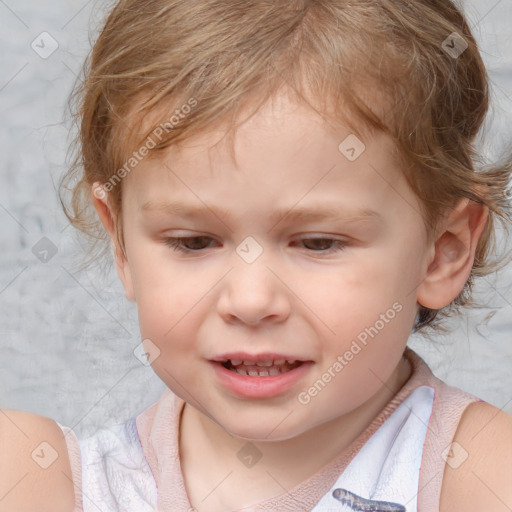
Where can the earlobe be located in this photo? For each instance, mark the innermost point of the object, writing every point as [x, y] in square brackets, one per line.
[454, 255]
[101, 204]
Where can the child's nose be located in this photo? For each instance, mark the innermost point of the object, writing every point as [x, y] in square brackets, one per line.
[253, 293]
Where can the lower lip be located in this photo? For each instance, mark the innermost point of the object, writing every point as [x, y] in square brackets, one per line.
[259, 387]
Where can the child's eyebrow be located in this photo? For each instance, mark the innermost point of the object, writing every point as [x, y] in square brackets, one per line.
[311, 213]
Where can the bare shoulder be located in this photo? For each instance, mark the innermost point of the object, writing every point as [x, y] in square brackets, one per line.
[477, 475]
[35, 472]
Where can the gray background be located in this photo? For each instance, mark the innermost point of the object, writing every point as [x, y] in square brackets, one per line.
[68, 337]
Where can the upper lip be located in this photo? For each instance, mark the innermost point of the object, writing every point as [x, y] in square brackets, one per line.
[257, 358]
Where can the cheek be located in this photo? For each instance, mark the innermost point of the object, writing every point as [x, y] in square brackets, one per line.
[164, 293]
[367, 310]
[366, 287]
[162, 306]
[168, 310]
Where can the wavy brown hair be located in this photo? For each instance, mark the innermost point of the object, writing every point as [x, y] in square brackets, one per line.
[153, 56]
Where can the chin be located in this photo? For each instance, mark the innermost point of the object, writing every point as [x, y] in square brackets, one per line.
[258, 432]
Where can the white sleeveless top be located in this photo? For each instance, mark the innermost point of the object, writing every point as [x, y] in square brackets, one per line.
[134, 466]
[115, 473]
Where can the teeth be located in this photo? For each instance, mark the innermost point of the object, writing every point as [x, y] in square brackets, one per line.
[268, 368]
[275, 362]
[263, 373]
[271, 371]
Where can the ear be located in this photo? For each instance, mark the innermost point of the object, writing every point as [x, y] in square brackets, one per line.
[108, 219]
[454, 254]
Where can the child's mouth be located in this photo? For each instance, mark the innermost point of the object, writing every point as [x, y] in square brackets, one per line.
[267, 377]
[269, 368]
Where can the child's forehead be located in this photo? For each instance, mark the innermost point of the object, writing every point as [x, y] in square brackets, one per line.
[285, 113]
[295, 143]
[272, 154]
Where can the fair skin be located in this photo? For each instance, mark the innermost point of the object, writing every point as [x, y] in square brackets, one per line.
[196, 306]
[193, 315]
[26, 485]
[298, 298]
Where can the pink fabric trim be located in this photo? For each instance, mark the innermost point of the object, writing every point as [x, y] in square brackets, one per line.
[449, 405]
[75, 461]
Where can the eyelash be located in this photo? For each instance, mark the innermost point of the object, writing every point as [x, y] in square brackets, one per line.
[175, 244]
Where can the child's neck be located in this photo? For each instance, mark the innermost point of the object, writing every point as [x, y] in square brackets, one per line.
[206, 453]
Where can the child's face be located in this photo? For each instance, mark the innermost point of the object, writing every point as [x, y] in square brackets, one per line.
[257, 284]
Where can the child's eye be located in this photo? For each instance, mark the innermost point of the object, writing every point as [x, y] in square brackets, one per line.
[178, 243]
[322, 243]
[183, 244]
